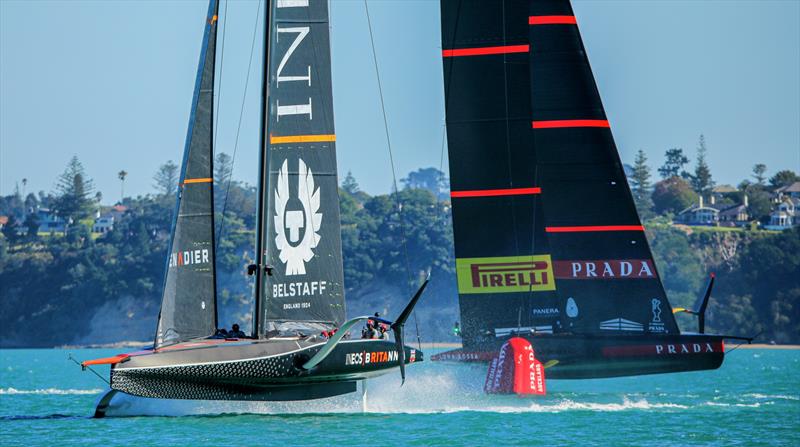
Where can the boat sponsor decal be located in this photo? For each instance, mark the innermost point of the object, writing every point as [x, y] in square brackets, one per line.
[515, 370]
[505, 274]
[190, 257]
[464, 356]
[501, 332]
[656, 324]
[605, 269]
[664, 349]
[572, 308]
[621, 324]
[297, 230]
[545, 312]
[365, 358]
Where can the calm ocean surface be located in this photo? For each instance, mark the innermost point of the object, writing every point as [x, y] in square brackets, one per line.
[754, 399]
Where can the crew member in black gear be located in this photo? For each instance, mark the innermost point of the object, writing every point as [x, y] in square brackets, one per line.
[236, 333]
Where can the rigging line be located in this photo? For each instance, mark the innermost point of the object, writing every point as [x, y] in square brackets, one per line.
[391, 162]
[238, 130]
[221, 70]
[70, 357]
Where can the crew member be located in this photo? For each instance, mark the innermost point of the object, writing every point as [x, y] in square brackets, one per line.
[235, 332]
[220, 333]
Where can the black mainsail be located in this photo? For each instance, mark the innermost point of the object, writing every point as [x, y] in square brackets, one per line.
[188, 303]
[301, 231]
[547, 238]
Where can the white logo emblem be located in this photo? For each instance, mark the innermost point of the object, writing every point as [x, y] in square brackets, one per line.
[656, 325]
[656, 310]
[296, 251]
[572, 308]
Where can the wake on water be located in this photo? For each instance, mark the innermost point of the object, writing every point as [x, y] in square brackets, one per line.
[429, 391]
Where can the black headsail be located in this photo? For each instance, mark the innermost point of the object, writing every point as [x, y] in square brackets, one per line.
[188, 304]
[301, 234]
[547, 237]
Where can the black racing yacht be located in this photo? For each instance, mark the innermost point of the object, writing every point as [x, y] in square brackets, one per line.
[548, 242]
[300, 346]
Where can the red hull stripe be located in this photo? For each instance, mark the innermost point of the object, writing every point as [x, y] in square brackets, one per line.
[594, 228]
[552, 20]
[496, 192]
[569, 123]
[486, 50]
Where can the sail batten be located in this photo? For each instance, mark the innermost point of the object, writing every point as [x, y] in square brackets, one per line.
[188, 303]
[546, 233]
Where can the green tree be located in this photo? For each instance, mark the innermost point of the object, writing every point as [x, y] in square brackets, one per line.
[32, 225]
[74, 192]
[640, 186]
[349, 184]
[701, 180]
[121, 175]
[759, 202]
[166, 178]
[223, 167]
[759, 173]
[431, 179]
[674, 164]
[783, 178]
[673, 195]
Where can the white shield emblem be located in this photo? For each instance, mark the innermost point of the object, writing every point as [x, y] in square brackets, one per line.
[294, 250]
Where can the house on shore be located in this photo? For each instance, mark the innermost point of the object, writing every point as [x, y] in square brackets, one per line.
[785, 215]
[104, 220]
[791, 191]
[50, 221]
[714, 214]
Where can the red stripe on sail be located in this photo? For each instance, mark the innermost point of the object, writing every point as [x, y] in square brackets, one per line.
[483, 51]
[552, 20]
[569, 123]
[594, 228]
[496, 192]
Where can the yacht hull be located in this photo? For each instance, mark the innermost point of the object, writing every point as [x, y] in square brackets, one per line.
[260, 370]
[599, 356]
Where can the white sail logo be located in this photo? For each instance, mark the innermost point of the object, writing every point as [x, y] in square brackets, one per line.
[295, 250]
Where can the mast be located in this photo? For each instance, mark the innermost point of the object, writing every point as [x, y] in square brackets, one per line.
[263, 169]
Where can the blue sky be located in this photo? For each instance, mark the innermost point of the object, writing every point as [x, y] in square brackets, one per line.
[111, 81]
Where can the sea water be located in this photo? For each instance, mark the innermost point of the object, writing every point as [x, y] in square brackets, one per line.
[754, 399]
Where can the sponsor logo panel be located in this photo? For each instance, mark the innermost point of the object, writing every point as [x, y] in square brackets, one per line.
[364, 358]
[621, 324]
[505, 274]
[664, 349]
[605, 269]
[656, 324]
[190, 257]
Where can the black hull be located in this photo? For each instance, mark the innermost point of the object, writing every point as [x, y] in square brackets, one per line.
[263, 370]
[599, 356]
